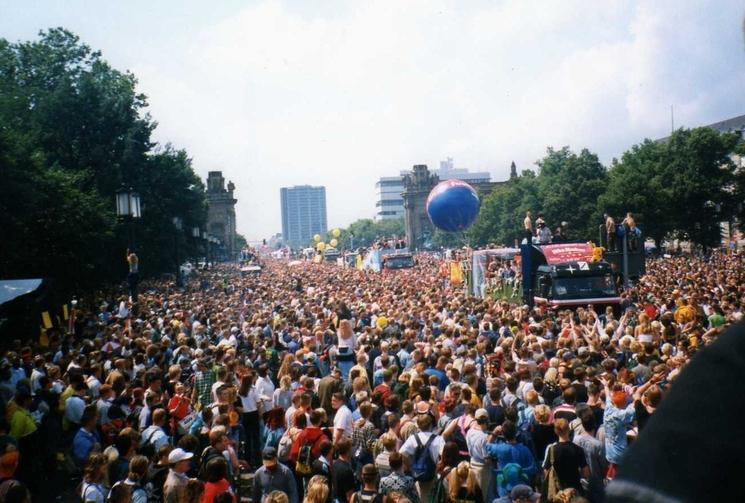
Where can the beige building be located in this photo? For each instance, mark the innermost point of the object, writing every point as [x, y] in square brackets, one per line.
[221, 214]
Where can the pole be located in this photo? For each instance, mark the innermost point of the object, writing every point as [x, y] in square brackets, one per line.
[626, 258]
[178, 266]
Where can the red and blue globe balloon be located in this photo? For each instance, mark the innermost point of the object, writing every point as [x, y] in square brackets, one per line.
[453, 205]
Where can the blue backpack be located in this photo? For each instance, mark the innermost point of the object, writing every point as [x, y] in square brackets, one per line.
[423, 468]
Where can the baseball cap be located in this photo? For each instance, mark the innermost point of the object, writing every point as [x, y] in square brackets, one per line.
[481, 413]
[269, 455]
[178, 455]
[524, 492]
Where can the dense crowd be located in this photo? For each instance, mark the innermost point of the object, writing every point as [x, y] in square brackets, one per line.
[321, 384]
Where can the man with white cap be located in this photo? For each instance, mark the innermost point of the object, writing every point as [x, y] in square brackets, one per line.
[180, 461]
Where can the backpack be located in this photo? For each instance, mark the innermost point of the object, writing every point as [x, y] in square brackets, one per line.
[552, 483]
[304, 463]
[510, 475]
[284, 447]
[208, 454]
[133, 419]
[459, 437]
[358, 497]
[439, 490]
[423, 468]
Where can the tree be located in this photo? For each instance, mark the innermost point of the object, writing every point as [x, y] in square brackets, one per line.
[73, 131]
[680, 187]
[569, 185]
[366, 231]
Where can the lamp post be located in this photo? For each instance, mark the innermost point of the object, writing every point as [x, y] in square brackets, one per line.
[206, 249]
[178, 225]
[128, 209]
[196, 235]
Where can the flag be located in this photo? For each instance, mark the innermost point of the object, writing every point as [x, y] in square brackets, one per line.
[46, 319]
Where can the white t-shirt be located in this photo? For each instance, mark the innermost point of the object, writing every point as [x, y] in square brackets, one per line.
[350, 342]
[343, 421]
[409, 447]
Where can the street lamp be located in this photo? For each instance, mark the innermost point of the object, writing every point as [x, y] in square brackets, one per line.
[128, 209]
[196, 235]
[178, 224]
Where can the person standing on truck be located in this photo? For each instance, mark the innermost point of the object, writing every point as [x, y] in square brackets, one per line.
[630, 228]
[528, 227]
[610, 232]
[543, 232]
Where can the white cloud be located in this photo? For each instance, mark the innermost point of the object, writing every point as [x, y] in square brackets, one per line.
[275, 96]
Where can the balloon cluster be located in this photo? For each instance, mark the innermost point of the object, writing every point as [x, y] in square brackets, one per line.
[333, 243]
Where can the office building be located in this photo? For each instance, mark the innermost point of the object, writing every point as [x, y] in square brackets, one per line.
[389, 203]
[303, 214]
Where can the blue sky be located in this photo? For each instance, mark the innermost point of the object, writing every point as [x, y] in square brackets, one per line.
[339, 93]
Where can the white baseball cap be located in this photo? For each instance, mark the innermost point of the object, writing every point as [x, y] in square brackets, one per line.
[179, 454]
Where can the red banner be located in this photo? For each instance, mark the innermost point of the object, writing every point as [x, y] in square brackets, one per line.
[567, 252]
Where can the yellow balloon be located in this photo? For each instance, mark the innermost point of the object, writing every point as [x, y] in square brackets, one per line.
[382, 322]
[317, 238]
[321, 246]
[336, 233]
[333, 243]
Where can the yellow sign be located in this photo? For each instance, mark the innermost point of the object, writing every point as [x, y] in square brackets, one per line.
[46, 320]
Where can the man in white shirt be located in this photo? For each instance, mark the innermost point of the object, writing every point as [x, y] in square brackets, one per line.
[154, 434]
[409, 447]
[342, 418]
[75, 405]
[265, 388]
[37, 374]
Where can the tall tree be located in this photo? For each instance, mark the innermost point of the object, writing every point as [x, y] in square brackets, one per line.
[680, 187]
[73, 131]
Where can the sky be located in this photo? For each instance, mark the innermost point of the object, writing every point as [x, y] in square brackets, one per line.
[339, 93]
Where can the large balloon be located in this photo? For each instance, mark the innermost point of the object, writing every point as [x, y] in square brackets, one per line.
[321, 246]
[317, 238]
[336, 233]
[453, 205]
[333, 243]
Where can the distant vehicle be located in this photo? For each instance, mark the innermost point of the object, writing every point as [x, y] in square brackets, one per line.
[330, 254]
[565, 276]
[398, 260]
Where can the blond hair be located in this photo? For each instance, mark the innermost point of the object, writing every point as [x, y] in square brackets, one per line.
[317, 490]
[462, 476]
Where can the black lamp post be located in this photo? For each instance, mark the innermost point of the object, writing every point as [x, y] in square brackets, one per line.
[178, 224]
[196, 234]
[207, 239]
[127, 210]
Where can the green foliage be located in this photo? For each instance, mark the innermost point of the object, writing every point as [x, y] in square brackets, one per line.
[366, 231]
[73, 131]
[680, 187]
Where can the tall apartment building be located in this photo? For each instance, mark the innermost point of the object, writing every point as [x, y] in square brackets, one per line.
[303, 214]
[389, 203]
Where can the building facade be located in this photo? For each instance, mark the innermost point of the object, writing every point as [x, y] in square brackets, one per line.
[417, 186]
[389, 201]
[303, 214]
[221, 213]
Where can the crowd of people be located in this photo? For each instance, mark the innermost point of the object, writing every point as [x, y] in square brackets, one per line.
[321, 384]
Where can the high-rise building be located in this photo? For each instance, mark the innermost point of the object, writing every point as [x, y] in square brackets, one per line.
[389, 203]
[303, 214]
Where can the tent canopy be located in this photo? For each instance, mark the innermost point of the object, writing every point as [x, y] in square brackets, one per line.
[13, 288]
